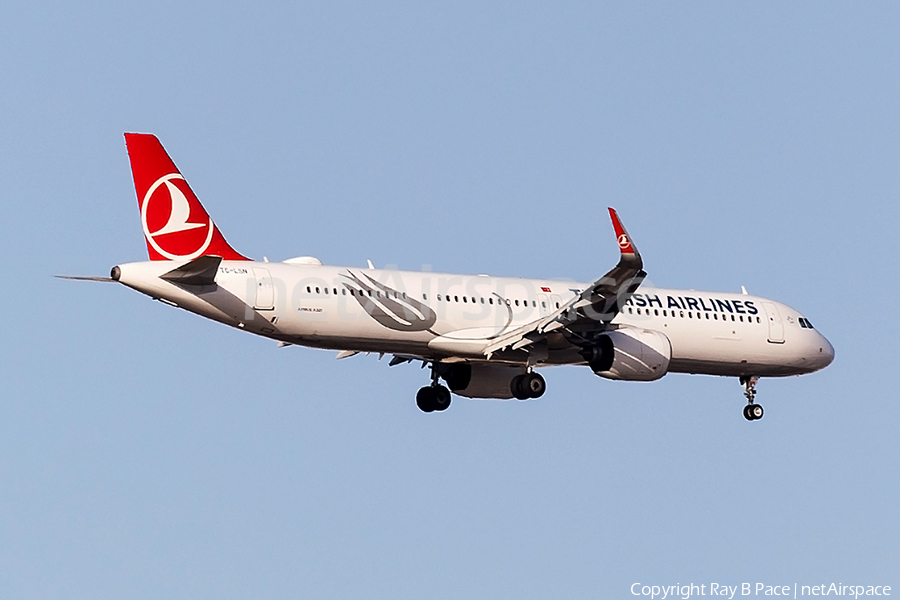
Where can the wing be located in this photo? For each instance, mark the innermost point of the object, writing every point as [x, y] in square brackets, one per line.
[593, 308]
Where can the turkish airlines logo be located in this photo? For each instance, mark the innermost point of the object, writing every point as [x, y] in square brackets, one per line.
[165, 216]
[624, 244]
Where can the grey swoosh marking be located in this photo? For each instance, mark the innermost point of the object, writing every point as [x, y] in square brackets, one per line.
[509, 318]
[391, 310]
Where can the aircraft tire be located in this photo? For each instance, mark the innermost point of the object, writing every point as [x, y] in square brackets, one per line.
[517, 387]
[756, 411]
[534, 384]
[747, 414]
[441, 398]
[426, 399]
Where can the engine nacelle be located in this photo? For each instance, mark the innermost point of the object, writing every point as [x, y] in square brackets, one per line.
[631, 354]
[480, 381]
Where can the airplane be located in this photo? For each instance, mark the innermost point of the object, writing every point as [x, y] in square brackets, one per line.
[485, 337]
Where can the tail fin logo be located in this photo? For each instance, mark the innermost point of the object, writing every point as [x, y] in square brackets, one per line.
[166, 218]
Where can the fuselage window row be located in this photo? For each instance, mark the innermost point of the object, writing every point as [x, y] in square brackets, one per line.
[443, 297]
[690, 315]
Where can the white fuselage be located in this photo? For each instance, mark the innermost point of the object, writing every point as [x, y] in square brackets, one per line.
[439, 316]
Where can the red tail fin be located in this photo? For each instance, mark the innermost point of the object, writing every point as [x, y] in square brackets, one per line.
[175, 223]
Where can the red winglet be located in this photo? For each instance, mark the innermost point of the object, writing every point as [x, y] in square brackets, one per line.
[176, 226]
[622, 236]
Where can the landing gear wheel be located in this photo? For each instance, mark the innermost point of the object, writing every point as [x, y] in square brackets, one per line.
[441, 398]
[518, 390]
[426, 399]
[433, 398]
[755, 411]
[534, 384]
[527, 385]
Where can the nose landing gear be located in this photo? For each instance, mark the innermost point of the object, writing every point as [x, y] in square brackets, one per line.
[752, 412]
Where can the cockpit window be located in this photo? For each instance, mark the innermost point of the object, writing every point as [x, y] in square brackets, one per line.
[804, 322]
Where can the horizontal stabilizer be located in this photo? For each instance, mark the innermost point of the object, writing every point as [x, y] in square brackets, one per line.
[200, 271]
[86, 278]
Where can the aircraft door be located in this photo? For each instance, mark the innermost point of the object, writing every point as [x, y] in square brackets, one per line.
[776, 326]
[265, 290]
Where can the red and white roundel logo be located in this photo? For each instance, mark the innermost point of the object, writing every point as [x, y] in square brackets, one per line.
[623, 242]
[166, 218]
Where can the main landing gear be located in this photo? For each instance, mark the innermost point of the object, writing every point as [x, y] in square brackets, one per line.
[434, 397]
[528, 385]
[752, 412]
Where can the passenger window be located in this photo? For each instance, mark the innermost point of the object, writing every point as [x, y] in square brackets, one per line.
[664, 313]
[317, 290]
[464, 299]
[557, 305]
[456, 298]
[308, 290]
[344, 291]
[629, 310]
[352, 292]
[543, 304]
[490, 300]
[517, 302]
[732, 317]
[681, 313]
[655, 312]
[757, 319]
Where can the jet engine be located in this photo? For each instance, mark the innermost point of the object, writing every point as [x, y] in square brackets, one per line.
[479, 380]
[631, 354]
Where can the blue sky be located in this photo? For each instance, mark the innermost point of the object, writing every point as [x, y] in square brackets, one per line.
[148, 453]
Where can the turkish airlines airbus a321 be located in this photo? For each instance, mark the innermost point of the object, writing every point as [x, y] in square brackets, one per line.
[484, 336]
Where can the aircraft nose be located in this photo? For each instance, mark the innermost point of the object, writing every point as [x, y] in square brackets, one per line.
[825, 353]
